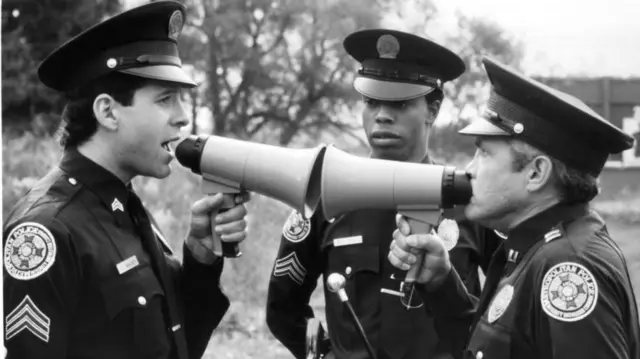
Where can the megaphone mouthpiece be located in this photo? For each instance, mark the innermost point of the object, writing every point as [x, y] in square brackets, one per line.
[189, 152]
[456, 187]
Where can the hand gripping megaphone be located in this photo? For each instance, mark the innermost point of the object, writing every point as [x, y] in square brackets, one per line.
[291, 176]
[420, 192]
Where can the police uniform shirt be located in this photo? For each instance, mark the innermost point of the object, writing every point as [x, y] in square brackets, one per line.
[356, 245]
[560, 288]
[85, 279]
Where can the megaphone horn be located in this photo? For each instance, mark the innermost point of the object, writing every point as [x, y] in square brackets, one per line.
[291, 176]
[350, 182]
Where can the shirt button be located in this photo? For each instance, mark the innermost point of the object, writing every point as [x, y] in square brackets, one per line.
[72, 181]
[142, 301]
[347, 270]
[479, 355]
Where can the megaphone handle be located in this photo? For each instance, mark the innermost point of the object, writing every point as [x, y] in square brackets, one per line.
[417, 227]
[220, 248]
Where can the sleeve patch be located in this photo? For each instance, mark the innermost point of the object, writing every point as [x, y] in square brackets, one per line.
[290, 266]
[297, 228]
[29, 251]
[569, 292]
[27, 316]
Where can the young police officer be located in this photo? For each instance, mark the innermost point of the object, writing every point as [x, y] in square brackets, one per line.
[87, 272]
[401, 83]
[559, 286]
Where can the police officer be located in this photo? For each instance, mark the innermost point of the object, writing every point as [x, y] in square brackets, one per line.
[88, 273]
[559, 286]
[401, 84]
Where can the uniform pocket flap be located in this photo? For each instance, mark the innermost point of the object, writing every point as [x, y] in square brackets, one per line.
[134, 289]
[354, 259]
[493, 341]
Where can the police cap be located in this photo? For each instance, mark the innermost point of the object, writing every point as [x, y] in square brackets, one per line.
[141, 42]
[398, 66]
[554, 122]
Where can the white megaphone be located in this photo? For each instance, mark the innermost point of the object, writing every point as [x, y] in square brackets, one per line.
[420, 192]
[291, 176]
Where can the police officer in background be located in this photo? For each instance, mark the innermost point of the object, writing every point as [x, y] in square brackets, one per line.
[559, 286]
[87, 272]
[401, 83]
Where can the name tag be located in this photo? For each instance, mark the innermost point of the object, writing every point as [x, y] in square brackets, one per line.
[127, 264]
[346, 241]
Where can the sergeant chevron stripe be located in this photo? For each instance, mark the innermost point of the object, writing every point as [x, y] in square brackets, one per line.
[117, 205]
[551, 235]
[28, 316]
[290, 266]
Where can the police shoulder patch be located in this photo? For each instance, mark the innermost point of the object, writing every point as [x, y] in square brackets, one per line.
[29, 251]
[569, 292]
[296, 228]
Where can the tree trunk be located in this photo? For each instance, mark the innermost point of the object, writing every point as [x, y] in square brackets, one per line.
[287, 134]
[194, 112]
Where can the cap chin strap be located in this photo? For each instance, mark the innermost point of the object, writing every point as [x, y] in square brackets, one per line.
[146, 60]
[400, 76]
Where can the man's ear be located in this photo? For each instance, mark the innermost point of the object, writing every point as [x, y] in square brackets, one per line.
[433, 107]
[103, 109]
[539, 173]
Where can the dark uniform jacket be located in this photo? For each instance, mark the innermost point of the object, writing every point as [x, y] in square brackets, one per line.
[558, 288]
[85, 279]
[356, 245]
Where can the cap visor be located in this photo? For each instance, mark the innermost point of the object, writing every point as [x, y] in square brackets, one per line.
[482, 127]
[389, 91]
[167, 73]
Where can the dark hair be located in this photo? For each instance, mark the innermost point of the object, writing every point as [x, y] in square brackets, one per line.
[79, 123]
[433, 96]
[574, 186]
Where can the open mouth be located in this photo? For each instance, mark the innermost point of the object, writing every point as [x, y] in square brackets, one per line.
[166, 145]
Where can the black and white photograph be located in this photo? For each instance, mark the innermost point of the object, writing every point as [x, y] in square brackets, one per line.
[320, 179]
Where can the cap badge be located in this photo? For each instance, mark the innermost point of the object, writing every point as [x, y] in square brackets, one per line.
[175, 24]
[388, 47]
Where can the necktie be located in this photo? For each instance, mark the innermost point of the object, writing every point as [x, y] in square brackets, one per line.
[142, 222]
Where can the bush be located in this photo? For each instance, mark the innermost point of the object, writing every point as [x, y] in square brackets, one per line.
[624, 208]
[25, 160]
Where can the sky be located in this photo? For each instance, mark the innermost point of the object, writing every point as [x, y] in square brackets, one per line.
[562, 37]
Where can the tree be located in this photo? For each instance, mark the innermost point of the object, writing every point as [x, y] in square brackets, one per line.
[472, 39]
[274, 66]
[479, 37]
[31, 29]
